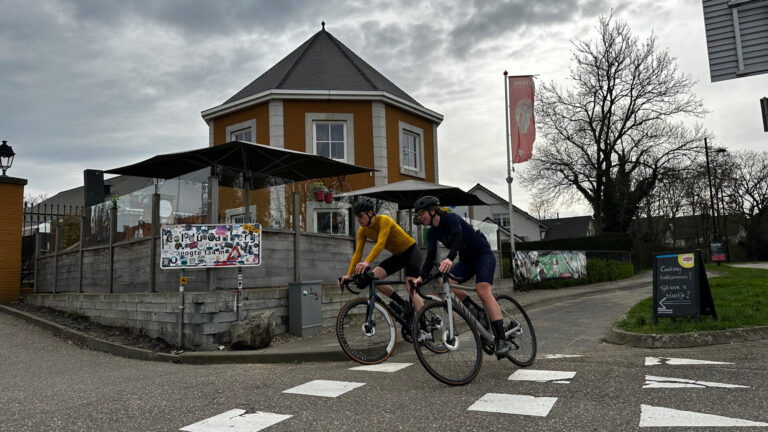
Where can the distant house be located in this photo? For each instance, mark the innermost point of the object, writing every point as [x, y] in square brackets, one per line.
[569, 227]
[526, 227]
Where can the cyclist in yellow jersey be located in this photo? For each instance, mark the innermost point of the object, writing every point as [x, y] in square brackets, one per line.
[388, 235]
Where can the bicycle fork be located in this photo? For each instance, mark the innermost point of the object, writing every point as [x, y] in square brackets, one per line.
[451, 299]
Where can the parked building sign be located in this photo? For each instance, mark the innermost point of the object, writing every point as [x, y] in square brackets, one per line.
[201, 246]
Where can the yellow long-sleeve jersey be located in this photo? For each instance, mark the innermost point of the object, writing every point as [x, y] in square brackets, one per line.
[387, 234]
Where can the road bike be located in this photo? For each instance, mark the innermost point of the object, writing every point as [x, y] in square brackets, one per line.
[366, 327]
[454, 327]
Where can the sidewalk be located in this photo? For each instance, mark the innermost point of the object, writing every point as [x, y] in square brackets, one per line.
[324, 346]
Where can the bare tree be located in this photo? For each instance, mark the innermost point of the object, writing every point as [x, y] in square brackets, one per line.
[618, 130]
[745, 191]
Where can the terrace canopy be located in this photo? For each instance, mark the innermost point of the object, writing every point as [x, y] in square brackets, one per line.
[405, 193]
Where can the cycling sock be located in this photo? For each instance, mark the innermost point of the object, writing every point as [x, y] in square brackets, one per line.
[397, 299]
[498, 329]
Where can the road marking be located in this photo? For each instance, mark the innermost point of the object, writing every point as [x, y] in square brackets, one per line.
[324, 388]
[383, 367]
[558, 377]
[663, 382]
[514, 404]
[237, 421]
[652, 416]
[654, 361]
[560, 356]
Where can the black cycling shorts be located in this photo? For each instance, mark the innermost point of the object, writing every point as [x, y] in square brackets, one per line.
[481, 266]
[410, 259]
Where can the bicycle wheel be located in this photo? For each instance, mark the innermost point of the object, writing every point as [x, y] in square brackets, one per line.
[519, 331]
[460, 363]
[366, 344]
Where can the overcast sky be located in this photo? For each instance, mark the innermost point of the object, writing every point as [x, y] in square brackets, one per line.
[99, 84]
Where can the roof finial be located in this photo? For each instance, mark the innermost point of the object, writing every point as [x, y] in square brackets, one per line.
[323, 23]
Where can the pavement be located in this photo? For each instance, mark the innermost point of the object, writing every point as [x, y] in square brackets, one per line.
[325, 347]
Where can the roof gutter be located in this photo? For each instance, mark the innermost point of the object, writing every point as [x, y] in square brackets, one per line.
[268, 95]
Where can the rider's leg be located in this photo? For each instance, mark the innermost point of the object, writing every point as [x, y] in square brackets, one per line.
[416, 299]
[387, 290]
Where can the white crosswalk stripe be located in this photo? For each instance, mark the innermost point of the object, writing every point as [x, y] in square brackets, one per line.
[514, 404]
[324, 388]
[382, 367]
[558, 377]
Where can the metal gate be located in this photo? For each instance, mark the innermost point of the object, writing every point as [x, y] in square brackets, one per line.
[45, 228]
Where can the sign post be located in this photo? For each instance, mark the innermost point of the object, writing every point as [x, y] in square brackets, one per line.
[680, 286]
[209, 246]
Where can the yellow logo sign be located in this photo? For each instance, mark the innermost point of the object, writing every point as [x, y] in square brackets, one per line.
[183, 281]
[686, 260]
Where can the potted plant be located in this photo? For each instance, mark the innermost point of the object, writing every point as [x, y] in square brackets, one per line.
[328, 196]
[319, 189]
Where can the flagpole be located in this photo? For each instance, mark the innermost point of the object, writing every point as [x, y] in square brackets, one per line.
[509, 181]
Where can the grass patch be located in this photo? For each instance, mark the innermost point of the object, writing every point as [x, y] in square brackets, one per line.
[741, 300]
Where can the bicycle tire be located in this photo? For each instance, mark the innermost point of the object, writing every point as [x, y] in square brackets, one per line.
[523, 341]
[361, 347]
[432, 345]
[461, 363]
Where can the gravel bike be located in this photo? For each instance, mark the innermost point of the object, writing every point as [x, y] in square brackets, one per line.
[366, 327]
[465, 337]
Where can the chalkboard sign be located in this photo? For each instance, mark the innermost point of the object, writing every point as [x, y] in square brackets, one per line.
[680, 286]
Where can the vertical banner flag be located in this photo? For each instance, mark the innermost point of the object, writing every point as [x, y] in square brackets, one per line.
[522, 128]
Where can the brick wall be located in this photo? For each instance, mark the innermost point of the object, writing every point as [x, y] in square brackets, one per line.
[11, 210]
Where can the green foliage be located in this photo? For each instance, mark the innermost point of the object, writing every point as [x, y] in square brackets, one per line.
[741, 300]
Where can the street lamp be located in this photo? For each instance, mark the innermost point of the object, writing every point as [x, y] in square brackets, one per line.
[6, 156]
[716, 238]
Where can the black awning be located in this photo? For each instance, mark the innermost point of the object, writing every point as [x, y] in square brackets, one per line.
[282, 166]
[406, 192]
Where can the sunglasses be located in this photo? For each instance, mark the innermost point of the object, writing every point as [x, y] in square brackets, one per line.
[420, 212]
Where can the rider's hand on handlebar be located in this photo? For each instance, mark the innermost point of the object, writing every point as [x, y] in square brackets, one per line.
[361, 267]
[418, 281]
[343, 279]
[445, 266]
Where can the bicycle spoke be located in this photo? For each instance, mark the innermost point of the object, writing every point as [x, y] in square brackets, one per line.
[367, 343]
[459, 362]
[519, 331]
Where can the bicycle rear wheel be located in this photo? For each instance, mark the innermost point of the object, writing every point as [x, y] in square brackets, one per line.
[519, 331]
[459, 361]
[362, 343]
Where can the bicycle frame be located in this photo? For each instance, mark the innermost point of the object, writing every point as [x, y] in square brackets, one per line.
[374, 295]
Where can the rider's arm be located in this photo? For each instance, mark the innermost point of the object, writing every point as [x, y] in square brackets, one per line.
[429, 262]
[385, 224]
[358, 251]
[455, 244]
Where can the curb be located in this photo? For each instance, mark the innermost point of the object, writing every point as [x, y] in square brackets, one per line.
[687, 340]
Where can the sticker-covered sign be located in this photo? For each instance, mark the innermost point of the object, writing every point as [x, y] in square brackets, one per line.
[200, 246]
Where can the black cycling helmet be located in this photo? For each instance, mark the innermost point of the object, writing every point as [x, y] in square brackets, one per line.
[426, 202]
[363, 205]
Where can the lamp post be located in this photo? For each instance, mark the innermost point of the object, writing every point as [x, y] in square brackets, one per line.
[6, 156]
[715, 243]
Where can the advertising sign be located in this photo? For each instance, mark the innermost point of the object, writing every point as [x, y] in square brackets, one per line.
[536, 266]
[717, 252]
[680, 286]
[202, 246]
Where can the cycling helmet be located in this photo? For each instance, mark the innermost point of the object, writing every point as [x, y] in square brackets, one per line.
[426, 202]
[363, 205]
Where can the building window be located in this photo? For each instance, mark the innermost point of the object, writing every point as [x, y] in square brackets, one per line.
[237, 215]
[329, 137]
[241, 135]
[411, 156]
[243, 131]
[331, 221]
[501, 219]
[411, 150]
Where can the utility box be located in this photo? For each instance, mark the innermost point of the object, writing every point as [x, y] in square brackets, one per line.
[305, 308]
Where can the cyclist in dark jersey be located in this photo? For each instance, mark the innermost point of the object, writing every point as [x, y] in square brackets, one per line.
[475, 258]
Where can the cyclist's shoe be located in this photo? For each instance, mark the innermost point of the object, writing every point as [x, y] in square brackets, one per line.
[502, 348]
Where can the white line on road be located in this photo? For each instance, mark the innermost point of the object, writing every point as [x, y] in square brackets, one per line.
[560, 356]
[235, 421]
[383, 367]
[654, 361]
[664, 382]
[560, 377]
[652, 416]
[324, 388]
[514, 404]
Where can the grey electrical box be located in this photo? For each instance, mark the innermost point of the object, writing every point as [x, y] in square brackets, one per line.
[305, 308]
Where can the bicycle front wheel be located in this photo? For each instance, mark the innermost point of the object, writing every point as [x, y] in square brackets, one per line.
[519, 331]
[366, 342]
[460, 357]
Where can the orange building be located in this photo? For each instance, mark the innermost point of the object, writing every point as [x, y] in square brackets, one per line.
[324, 99]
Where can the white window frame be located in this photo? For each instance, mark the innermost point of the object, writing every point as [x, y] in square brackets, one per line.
[343, 211]
[330, 141]
[240, 128]
[501, 217]
[349, 132]
[418, 171]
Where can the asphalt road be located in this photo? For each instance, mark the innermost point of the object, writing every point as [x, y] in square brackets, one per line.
[47, 383]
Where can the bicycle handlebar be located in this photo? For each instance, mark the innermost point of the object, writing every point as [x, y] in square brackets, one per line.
[427, 279]
[361, 280]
